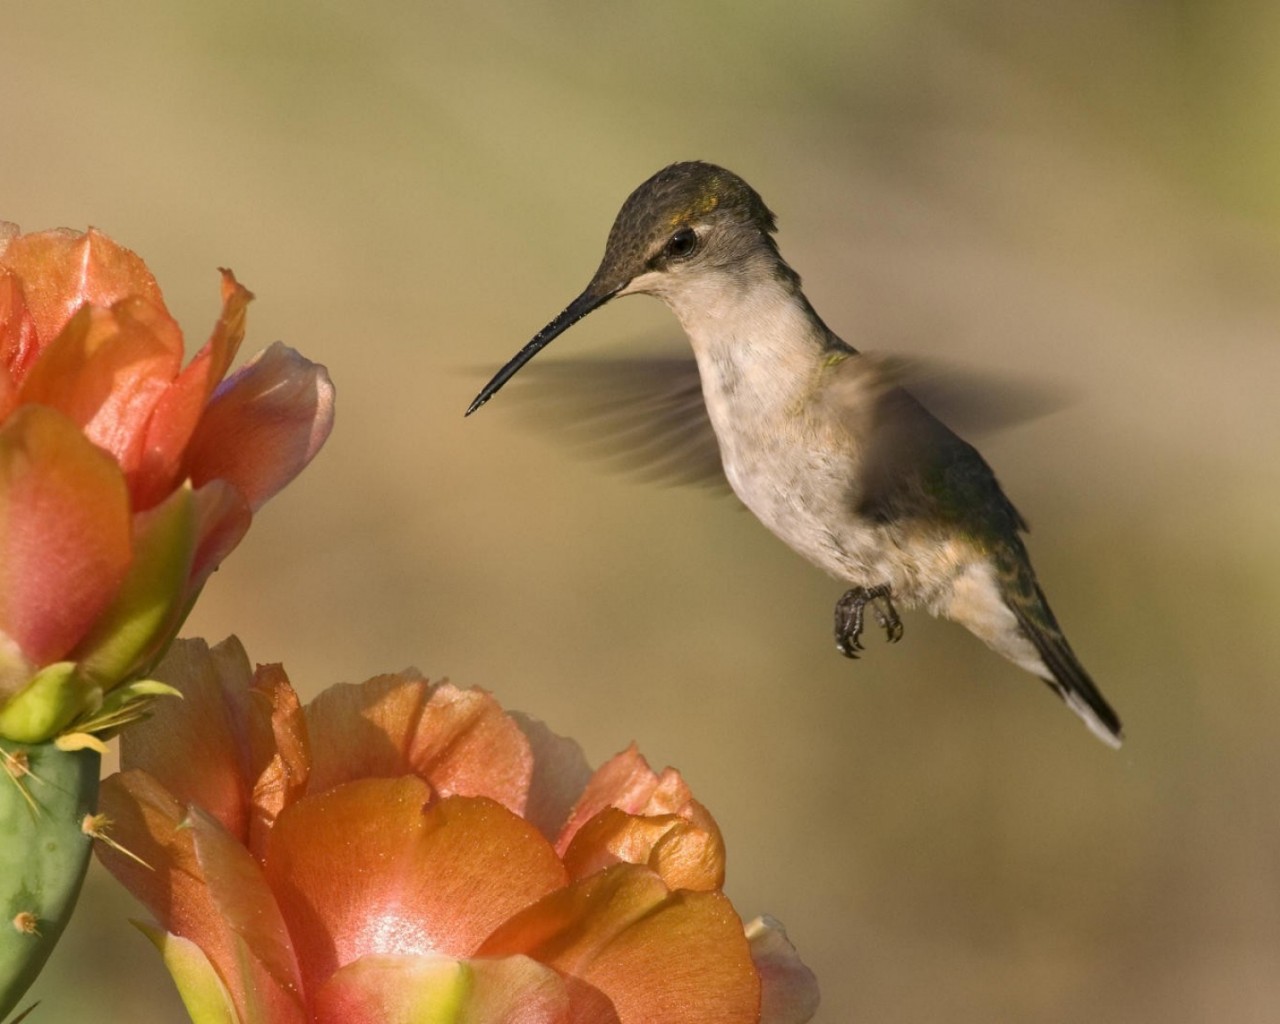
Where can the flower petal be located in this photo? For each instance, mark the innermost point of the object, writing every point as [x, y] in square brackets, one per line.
[147, 821]
[249, 910]
[179, 410]
[205, 997]
[106, 371]
[381, 989]
[8, 395]
[197, 747]
[19, 345]
[368, 867]
[222, 519]
[64, 534]
[628, 783]
[516, 990]
[560, 773]
[280, 751]
[151, 602]
[62, 270]
[789, 990]
[201, 884]
[441, 990]
[685, 855]
[657, 957]
[263, 425]
[459, 740]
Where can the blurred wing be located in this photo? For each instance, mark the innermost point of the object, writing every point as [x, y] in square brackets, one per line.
[914, 464]
[643, 415]
[971, 402]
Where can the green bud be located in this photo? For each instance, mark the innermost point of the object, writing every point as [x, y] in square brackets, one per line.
[54, 696]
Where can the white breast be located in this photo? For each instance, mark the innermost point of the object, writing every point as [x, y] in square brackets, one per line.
[787, 456]
[791, 428]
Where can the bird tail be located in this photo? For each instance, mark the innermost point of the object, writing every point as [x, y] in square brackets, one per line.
[1062, 669]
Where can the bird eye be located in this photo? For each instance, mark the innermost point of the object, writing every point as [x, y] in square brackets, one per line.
[682, 243]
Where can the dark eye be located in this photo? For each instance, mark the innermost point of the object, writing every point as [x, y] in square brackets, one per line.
[682, 243]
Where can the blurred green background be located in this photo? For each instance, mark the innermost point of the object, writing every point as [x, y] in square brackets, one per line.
[1085, 194]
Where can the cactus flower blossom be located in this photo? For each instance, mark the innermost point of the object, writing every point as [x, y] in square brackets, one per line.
[403, 851]
[125, 476]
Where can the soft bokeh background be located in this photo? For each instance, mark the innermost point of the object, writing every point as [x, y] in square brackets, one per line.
[1085, 194]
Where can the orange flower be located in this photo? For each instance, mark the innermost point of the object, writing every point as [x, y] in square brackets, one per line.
[125, 477]
[401, 850]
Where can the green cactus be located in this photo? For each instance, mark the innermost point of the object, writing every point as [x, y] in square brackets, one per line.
[46, 795]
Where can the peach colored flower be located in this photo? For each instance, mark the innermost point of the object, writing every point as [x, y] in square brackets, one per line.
[402, 851]
[125, 477]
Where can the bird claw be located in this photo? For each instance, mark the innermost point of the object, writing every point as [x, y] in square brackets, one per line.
[887, 617]
[848, 645]
[849, 617]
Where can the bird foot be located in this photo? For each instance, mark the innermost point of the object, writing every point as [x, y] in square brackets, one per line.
[849, 616]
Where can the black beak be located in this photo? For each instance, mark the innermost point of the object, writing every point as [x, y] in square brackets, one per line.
[570, 315]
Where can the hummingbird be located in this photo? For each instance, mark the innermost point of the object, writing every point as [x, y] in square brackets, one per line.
[820, 441]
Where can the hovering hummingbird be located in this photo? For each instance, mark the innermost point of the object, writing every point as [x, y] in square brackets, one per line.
[819, 440]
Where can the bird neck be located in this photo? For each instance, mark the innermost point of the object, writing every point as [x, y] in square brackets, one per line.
[757, 341]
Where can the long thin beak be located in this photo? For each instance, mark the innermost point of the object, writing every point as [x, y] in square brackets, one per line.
[570, 315]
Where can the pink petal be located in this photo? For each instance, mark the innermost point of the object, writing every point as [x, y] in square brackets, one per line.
[789, 989]
[516, 990]
[365, 730]
[178, 411]
[8, 395]
[368, 867]
[638, 950]
[64, 534]
[249, 910]
[628, 783]
[106, 371]
[459, 740]
[411, 989]
[263, 425]
[19, 345]
[560, 773]
[685, 855]
[63, 270]
[691, 855]
[202, 885]
[197, 747]
[222, 519]
[279, 751]
[145, 820]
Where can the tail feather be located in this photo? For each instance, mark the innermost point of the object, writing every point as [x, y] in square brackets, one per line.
[1067, 677]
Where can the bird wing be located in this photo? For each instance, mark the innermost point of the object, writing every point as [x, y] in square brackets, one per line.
[975, 402]
[644, 414]
[913, 465]
[641, 414]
